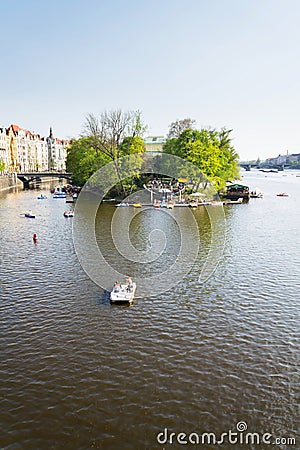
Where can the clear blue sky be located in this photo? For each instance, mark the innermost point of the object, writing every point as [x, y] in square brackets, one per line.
[232, 63]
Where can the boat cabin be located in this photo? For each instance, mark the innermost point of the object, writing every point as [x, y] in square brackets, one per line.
[236, 191]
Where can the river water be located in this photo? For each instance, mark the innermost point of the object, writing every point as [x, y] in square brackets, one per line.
[78, 373]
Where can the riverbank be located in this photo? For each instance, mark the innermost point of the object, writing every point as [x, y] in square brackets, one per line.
[9, 181]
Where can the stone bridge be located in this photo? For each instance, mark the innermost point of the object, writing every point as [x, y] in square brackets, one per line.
[29, 177]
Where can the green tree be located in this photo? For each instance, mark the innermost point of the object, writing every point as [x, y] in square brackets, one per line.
[209, 150]
[116, 134]
[131, 145]
[110, 130]
[2, 165]
[83, 159]
[113, 135]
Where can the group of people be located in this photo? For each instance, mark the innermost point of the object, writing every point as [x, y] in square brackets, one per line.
[128, 286]
[172, 186]
[72, 190]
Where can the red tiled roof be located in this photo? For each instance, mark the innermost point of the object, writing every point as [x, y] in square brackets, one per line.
[15, 128]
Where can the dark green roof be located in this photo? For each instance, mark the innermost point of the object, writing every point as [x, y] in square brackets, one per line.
[237, 186]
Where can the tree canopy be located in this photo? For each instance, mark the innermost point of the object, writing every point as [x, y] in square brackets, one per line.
[177, 127]
[113, 135]
[83, 159]
[209, 150]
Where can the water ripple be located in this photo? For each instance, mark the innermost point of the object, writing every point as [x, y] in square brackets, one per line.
[78, 373]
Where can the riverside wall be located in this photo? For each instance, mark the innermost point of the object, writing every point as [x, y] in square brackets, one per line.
[9, 181]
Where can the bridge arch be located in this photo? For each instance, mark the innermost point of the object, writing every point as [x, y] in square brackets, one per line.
[29, 177]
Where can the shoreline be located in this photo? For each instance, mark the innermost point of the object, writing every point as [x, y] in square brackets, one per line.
[9, 181]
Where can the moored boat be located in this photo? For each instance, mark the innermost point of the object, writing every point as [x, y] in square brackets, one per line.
[255, 194]
[123, 293]
[236, 191]
[69, 213]
[122, 205]
[58, 194]
[282, 194]
[235, 202]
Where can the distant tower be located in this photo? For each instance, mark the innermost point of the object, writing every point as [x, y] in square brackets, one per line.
[51, 150]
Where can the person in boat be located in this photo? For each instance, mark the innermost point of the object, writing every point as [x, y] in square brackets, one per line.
[129, 285]
[117, 286]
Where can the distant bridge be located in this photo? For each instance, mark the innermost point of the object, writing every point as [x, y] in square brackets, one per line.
[249, 166]
[29, 177]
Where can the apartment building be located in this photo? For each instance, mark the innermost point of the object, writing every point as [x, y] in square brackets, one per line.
[24, 151]
[4, 147]
[57, 152]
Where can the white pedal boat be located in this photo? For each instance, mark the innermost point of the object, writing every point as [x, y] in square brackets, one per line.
[123, 293]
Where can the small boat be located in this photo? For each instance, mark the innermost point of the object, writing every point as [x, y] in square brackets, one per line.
[69, 213]
[282, 194]
[123, 293]
[256, 194]
[42, 197]
[59, 195]
[29, 215]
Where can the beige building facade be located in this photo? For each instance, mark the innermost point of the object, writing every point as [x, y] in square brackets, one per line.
[4, 147]
[24, 151]
[154, 144]
[57, 152]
